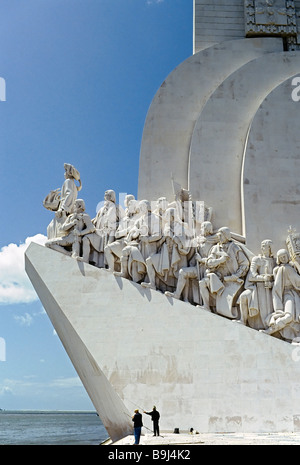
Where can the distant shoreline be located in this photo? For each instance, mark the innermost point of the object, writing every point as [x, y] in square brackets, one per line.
[51, 427]
[56, 412]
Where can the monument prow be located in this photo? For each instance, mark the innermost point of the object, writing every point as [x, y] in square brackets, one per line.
[107, 402]
[133, 346]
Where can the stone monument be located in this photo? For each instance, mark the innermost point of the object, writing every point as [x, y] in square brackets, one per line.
[189, 297]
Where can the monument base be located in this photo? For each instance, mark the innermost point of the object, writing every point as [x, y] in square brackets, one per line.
[134, 348]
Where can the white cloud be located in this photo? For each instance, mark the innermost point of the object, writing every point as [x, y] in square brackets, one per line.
[150, 2]
[5, 390]
[24, 320]
[32, 383]
[35, 393]
[66, 382]
[15, 286]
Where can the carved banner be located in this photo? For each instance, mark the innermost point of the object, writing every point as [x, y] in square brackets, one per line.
[270, 17]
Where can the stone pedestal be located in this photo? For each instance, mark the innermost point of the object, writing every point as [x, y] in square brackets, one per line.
[134, 347]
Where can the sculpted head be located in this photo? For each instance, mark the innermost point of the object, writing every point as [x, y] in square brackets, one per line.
[224, 235]
[266, 248]
[144, 206]
[79, 205]
[127, 199]
[162, 204]
[206, 228]
[110, 195]
[282, 257]
[133, 206]
[71, 172]
[170, 215]
[183, 195]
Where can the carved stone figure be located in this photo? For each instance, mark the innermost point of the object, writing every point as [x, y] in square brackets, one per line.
[161, 206]
[113, 251]
[286, 299]
[183, 206]
[196, 269]
[76, 226]
[293, 245]
[227, 265]
[192, 213]
[106, 223]
[141, 243]
[159, 246]
[160, 210]
[163, 267]
[69, 189]
[62, 202]
[256, 301]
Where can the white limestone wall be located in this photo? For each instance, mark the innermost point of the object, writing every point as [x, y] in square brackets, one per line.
[197, 131]
[200, 369]
[272, 162]
[220, 137]
[216, 21]
[176, 107]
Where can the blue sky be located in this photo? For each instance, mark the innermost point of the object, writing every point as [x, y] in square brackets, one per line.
[80, 76]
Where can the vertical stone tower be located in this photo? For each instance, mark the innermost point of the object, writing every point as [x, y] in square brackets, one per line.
[216, 21]
[224, 123]
[221, 20]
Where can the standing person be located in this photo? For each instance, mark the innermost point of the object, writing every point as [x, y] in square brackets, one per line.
[137, 425]
[155, 418]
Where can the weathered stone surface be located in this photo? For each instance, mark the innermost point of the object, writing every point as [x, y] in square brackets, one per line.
[133, 347]
[176, 107]
[270, 183]
[220, 139]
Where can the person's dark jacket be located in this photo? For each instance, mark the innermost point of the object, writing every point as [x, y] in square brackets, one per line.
[137, 420]
[154, 415]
